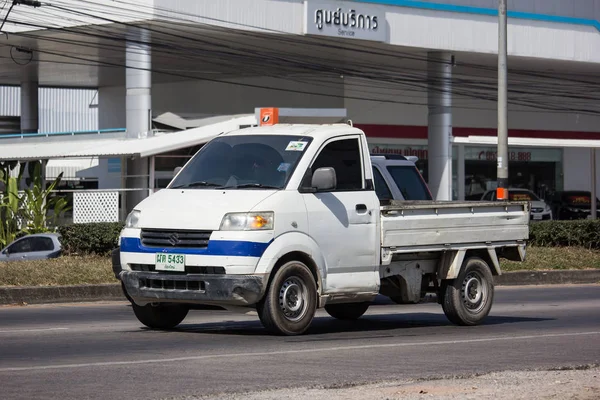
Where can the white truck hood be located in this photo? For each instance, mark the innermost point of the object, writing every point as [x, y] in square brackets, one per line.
[201, 209]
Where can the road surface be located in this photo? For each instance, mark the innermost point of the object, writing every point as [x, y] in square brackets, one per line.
[100, 351]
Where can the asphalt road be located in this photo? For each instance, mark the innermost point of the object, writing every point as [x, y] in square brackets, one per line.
[100, 351]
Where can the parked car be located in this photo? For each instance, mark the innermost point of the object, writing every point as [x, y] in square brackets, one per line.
[33, 247]
[539, 209]
[397, 177]
[572, 204]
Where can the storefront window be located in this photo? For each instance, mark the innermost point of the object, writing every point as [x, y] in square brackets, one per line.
[537, 169]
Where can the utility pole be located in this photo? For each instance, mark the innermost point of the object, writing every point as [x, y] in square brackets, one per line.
[502, 174]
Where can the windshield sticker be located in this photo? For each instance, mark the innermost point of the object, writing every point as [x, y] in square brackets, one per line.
[296, 146]
[283, 167]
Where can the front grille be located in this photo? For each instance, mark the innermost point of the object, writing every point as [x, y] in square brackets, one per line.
[174, 238]
[190, 269]
[537, 210]
[149, 283]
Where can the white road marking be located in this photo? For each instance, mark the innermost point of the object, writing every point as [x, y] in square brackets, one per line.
[34, 330]
[284, 352]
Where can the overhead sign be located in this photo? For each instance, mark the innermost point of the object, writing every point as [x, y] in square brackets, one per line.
[344, 19]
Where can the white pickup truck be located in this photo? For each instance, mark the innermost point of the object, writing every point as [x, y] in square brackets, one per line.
[286, 219]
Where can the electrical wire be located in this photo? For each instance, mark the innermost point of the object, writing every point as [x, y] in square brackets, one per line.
[166, 44]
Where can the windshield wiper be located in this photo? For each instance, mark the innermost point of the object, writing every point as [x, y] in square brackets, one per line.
[251, 185]
[197, 184]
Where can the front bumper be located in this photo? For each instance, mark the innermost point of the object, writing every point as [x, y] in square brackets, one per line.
[233, 290]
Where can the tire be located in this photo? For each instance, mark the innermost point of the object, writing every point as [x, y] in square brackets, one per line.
[290, 303]
[160, 316]
[468, 299]
[126, 294]
[347, 311]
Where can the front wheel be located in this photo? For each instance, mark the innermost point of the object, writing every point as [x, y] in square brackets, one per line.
[468, 299]
[290, 303]
[160, 316]
[347, 311]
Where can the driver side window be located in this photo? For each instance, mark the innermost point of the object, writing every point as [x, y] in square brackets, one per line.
[344, 157]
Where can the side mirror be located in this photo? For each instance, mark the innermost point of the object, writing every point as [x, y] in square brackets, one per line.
[176, 170]
[324, 179]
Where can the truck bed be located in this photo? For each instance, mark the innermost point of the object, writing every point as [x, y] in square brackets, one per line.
[408, 226]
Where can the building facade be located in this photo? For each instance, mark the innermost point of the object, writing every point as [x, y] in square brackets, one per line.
[418, 76]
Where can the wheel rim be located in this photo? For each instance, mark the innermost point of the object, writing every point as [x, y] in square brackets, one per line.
[292, 299]
[474, 292]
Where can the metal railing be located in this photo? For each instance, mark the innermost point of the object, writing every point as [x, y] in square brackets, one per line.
[52, 134]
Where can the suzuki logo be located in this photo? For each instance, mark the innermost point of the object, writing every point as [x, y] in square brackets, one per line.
[174, 239]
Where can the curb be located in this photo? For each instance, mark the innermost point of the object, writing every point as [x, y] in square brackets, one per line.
[60, 294]
[519, 278]
[112, 292]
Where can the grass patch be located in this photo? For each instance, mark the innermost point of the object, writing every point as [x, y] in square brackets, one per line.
[82, 270]
[71, 270]
[549, 258]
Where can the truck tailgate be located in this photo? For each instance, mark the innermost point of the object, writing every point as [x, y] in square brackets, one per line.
[432, 224]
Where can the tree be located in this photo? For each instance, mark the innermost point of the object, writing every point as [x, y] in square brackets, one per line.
[37, 204]
[9, 203]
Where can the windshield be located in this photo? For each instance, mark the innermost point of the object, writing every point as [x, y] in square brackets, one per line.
[243, 162]
[579, 198]
[409, 182]
[522, 195]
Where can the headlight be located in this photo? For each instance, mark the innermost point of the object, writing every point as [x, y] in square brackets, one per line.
[547, 208]
[133, 219]
[259, 221]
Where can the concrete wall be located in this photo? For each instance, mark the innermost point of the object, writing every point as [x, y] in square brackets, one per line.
[198, 98]
[577, 169]
[467, 112]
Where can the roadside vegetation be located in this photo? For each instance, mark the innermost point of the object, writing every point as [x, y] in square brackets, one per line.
[30, 211]
[95, 269]
[70, 270]
[86, 247]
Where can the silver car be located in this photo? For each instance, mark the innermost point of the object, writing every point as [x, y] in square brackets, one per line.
[33, 247]
[540, 211]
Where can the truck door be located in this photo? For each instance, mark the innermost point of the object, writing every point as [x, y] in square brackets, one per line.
[344, 220]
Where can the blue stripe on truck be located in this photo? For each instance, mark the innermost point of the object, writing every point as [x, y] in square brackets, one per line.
[215, 248]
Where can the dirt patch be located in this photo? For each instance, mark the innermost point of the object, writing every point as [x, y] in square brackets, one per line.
[577, 383]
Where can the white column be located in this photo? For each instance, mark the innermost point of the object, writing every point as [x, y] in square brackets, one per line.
[29, 99]
[138, 106]
[152, 175]
[439, 124]
[594, 210]
[460, 173]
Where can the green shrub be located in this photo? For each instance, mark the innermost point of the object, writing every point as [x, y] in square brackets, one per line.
[85, 239]
[581, 233]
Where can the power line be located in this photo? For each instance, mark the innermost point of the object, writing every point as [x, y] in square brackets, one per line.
[416, 81]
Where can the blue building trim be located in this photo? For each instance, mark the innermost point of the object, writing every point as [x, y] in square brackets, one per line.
[484, 11]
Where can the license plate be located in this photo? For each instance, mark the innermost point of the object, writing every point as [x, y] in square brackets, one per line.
[537, 217]
[170, 262]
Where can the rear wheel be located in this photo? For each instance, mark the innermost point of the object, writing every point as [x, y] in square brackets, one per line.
[468, 299]
[347, 311]
[160, 316]
[290, 303]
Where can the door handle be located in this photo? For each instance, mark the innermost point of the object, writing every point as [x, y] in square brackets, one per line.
[361, 208]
